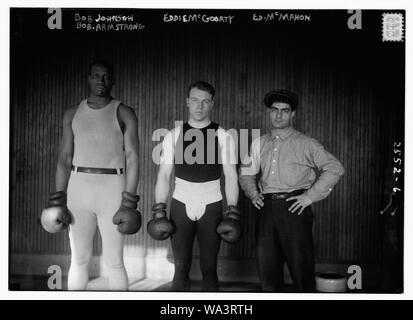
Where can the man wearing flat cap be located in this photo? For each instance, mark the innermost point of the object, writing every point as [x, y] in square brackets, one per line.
[296, 171]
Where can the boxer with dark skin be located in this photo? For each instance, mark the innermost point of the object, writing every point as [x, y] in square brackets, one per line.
[96, 179]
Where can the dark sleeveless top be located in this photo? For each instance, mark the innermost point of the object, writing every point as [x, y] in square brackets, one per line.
[196, 154]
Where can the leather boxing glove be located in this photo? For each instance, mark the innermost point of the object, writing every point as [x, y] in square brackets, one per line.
[127, 218]
[56, 216]
[230, 227]
[160, 228]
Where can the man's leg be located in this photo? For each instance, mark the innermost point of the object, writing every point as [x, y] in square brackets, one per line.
[81, 232]
[270, 256]
[182, 243]
[209, 242]
[112, 251]
[297, 242]
[109, 196]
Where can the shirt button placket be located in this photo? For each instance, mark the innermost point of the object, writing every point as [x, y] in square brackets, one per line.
[273, 160]
[275, 154]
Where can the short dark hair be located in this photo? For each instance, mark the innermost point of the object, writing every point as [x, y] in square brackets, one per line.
[202, 85]
[104, 63]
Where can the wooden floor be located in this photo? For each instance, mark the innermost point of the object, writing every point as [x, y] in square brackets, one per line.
[166, 286]
[38, 283]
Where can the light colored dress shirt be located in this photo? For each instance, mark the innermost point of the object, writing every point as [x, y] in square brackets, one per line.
[289, 161]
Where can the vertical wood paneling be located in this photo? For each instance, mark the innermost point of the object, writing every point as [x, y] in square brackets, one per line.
[152, 75]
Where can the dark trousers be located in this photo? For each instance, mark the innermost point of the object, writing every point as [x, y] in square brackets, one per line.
[208, 241]
[283, 236]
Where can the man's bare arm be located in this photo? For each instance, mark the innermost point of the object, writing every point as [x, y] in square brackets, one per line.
[229, 160]
[166, 166]
[66, 149]
[131, 143]
[163, 182]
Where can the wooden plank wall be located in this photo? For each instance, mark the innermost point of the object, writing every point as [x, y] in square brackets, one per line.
[340, 106]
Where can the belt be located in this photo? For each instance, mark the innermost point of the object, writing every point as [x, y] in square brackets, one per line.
[97, 170]
[283, 195]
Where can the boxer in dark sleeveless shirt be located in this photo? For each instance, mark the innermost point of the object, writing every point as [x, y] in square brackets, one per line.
[199, 151]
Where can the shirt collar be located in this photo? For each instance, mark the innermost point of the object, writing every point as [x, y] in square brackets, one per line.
[282, 134]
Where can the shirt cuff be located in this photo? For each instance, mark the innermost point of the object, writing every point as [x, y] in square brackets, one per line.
[253, 194]
[248, 185]
[315, 196]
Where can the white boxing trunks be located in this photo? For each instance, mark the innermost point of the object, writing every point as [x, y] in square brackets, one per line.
[197, 195]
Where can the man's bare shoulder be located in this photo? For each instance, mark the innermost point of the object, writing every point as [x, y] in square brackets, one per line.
[126, 110]
[173, 135]
[127, 115]
[176, 130]
[70, 113]
[221, 132]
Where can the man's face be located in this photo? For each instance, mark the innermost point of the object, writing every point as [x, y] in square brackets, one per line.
[281, 115]
[199, 104]
[100, 81]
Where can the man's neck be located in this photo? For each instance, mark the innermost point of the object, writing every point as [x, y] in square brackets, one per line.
[281, 132]
[97, 102]
[199, 124]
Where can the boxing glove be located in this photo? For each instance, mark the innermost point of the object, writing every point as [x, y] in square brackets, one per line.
[56, 216]
[127, 218]
[160, 228]
[230, 227]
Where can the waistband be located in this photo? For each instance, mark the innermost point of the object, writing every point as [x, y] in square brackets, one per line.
[197, 187]
[97, 170]
[196, 195]
[283, 195]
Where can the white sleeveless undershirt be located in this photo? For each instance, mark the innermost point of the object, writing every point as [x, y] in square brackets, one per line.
[98, 139]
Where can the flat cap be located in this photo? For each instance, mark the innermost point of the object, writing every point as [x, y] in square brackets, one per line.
[281, 95]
